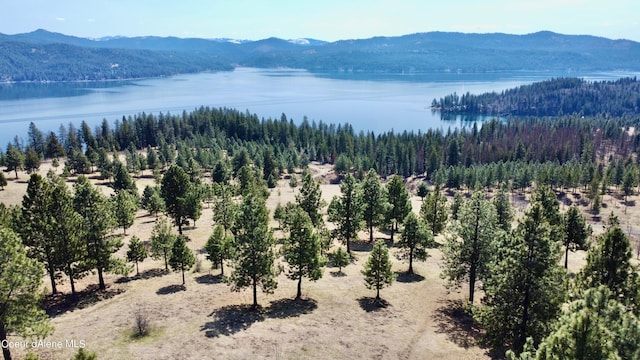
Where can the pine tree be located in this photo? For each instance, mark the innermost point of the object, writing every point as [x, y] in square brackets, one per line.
[467, 254]
[593, 327]
[182, 257]
[152, 200]
[301, 250]
[504, 212]
[373, 201]
[137, 252]
[162, 241]
[14, 159]
[35, 226]
[3, 181]
[254, 260]
[293, 182]
[121, 179]
[398, 197]
[423, 190]
[31, 160]
[609, 264]
[225, 209]
[175, 189]
[97, 222]
[377, 270]
[20, 291]
[576, 232]
[346, 211]
[341, 258]
[67, 231]
[434, 211]
[525, 289]
[219, 248]
[124, 205]
[415, 239]
[310, 198]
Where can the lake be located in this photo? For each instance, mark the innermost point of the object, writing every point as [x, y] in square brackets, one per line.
[379, 103]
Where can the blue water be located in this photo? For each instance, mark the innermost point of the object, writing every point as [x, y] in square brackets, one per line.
[378, 103]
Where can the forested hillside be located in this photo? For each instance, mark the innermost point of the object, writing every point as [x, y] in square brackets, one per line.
[56, 57]
[550, 98]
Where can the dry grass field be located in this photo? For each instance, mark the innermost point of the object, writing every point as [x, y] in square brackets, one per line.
[422, 320]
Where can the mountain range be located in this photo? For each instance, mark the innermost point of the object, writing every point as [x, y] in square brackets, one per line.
[46, 56]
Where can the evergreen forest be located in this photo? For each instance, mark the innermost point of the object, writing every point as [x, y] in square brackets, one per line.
[493, 199]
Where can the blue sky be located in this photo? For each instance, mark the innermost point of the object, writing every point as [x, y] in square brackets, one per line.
[321, 19]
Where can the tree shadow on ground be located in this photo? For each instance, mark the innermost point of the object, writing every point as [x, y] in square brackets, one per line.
[210, 279]
[337, 273]
[452, 319]
[58, 304]
[286, 308]
[405, 277]
[370, 304]
[147, 274]
[232, 319]
[171, 289]
[359, 245]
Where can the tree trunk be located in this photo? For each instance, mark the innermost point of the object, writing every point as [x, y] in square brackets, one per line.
[566, 257]
[73, 287]
[392, 231]
[137, 270]
[255, 293]
[377, 295]
[410, 271]
[3, 339]
[182, 268]
[52, 277]
[371, 233]
[166, 264]
[101, 279]
[299, 294]
[222, 267]
[348, 246]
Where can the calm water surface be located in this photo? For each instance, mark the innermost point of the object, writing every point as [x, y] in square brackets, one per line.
[379, 104]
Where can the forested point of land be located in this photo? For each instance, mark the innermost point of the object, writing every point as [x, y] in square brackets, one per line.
[43, 56]
[553, 97]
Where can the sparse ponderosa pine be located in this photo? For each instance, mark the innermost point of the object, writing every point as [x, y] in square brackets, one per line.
[504, 212]
[310, 198]
[219, 248]
[455, 207]
[35, 225]
[31, 160]
[221, 172]
[377, 270]
[434, 211]
[240, 159]
[400, 204]
[525, 287]
[346, 211]
[137, 252]
[576, 232]
[3, 181]
[423, 190]
[121, 178]
[302, 250]
[152, 200]
[182, 257]
[341, 258]
[225, 209]
[596, 326]
[67, 231]
[545, 196]
[374, 205]
[97, 222]
[293, 182]
[415, 239]
[254, 261]
[20, 292]
[467, 253]
[609, 264]
[124, 205]
[162, 241]
[175, 189]
[14, 159]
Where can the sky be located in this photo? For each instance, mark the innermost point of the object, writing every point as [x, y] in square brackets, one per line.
[328, 20]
